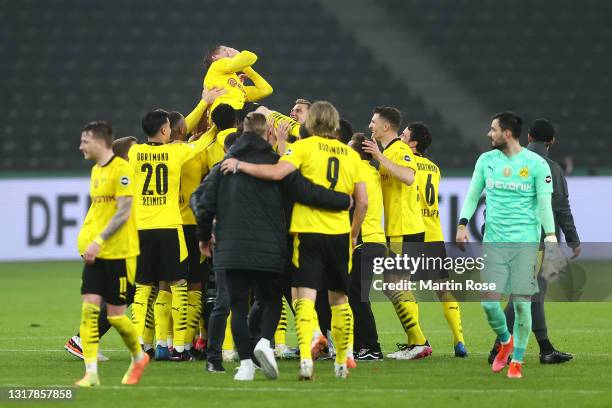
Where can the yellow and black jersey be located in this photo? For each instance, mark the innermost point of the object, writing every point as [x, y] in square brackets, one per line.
[428, 179]
[277, 117]
[401, 202]
[329, 163]
[192, 174]
[114, 179]
[157, 172]
[223, 74]
[215, 148]
[372, 229]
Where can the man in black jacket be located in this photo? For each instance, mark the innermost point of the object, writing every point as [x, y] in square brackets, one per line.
[250, 237]
[540, 137]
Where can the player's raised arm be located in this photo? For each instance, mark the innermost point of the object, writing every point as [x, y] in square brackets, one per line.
[260, 88]
[404, 174]
[208, 97]
[236, 62]
[471, 201]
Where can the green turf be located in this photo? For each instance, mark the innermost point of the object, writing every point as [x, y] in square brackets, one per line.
[40, 310]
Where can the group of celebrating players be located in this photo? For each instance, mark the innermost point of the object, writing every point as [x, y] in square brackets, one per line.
[240, 199]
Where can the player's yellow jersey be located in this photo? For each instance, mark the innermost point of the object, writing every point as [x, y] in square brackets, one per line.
[223, 74]
[115, 179]
[372, 229]
[215, 149]
[329, 163]
[428, 179]
[191, 176]
[157, 173]
[277, 117]
[401, 202]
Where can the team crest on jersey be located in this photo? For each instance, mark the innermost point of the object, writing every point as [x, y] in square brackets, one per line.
[288, 152]
[548, 179]
[232, 82]
[125, 180]
[407, 158]
[507, 172]
[524, 173]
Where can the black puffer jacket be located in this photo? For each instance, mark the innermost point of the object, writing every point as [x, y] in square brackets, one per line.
[251, 229]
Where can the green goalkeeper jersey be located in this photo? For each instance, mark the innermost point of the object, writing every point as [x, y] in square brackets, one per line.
[512, 186]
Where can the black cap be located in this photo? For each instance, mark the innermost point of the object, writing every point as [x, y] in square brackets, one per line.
[542, 130]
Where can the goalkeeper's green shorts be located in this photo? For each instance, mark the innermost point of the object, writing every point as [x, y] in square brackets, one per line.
[512, 267]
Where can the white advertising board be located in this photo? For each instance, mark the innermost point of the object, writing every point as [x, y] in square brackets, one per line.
[41, 217]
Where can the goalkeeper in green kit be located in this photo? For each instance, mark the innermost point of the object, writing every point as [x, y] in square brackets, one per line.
[518, 187]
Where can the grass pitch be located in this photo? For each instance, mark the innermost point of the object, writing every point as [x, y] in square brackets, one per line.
[40, 308]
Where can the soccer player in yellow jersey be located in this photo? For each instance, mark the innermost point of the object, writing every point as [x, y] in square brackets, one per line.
[108, 243]
[225, 120]
[224, 64]
[157, 169]
[323, 239]
[404, 226]
[192, 174]
[418, 137]
[372, 244]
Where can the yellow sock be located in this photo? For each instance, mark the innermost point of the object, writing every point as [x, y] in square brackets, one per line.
[194, 311]
[452, 313]
[149, 326]
[228, 341]
[127, 331]
[280, 335]
[342, 330]
[203, 332]
[315, 324]
[139, 308]
[179, 315]
[90, 336]
[407, 312]
[162, 316]
[304, 317]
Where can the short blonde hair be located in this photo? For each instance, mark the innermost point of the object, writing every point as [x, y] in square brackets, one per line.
[323, 119]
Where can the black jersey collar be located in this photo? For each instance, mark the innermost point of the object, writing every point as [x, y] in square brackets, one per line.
[109, 161]
[154, 143]
[397, 139]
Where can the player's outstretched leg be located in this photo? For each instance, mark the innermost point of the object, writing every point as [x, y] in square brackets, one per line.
[522, 330]
[90, 339]
[342, 329]
[162, 312]
[452, 314]
[304, 315]
[179, 321]
[497, 322]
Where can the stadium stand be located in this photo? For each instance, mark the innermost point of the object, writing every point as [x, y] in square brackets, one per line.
[541, 59]
[60, 71]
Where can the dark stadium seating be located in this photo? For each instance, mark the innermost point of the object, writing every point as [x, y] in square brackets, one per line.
[545, 58]
[68, 62]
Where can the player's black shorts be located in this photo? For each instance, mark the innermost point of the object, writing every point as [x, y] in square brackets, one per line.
[196, 272]
[109, 278]
[322, 261]
[160, 256]
[434, 256]
[405, 245]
